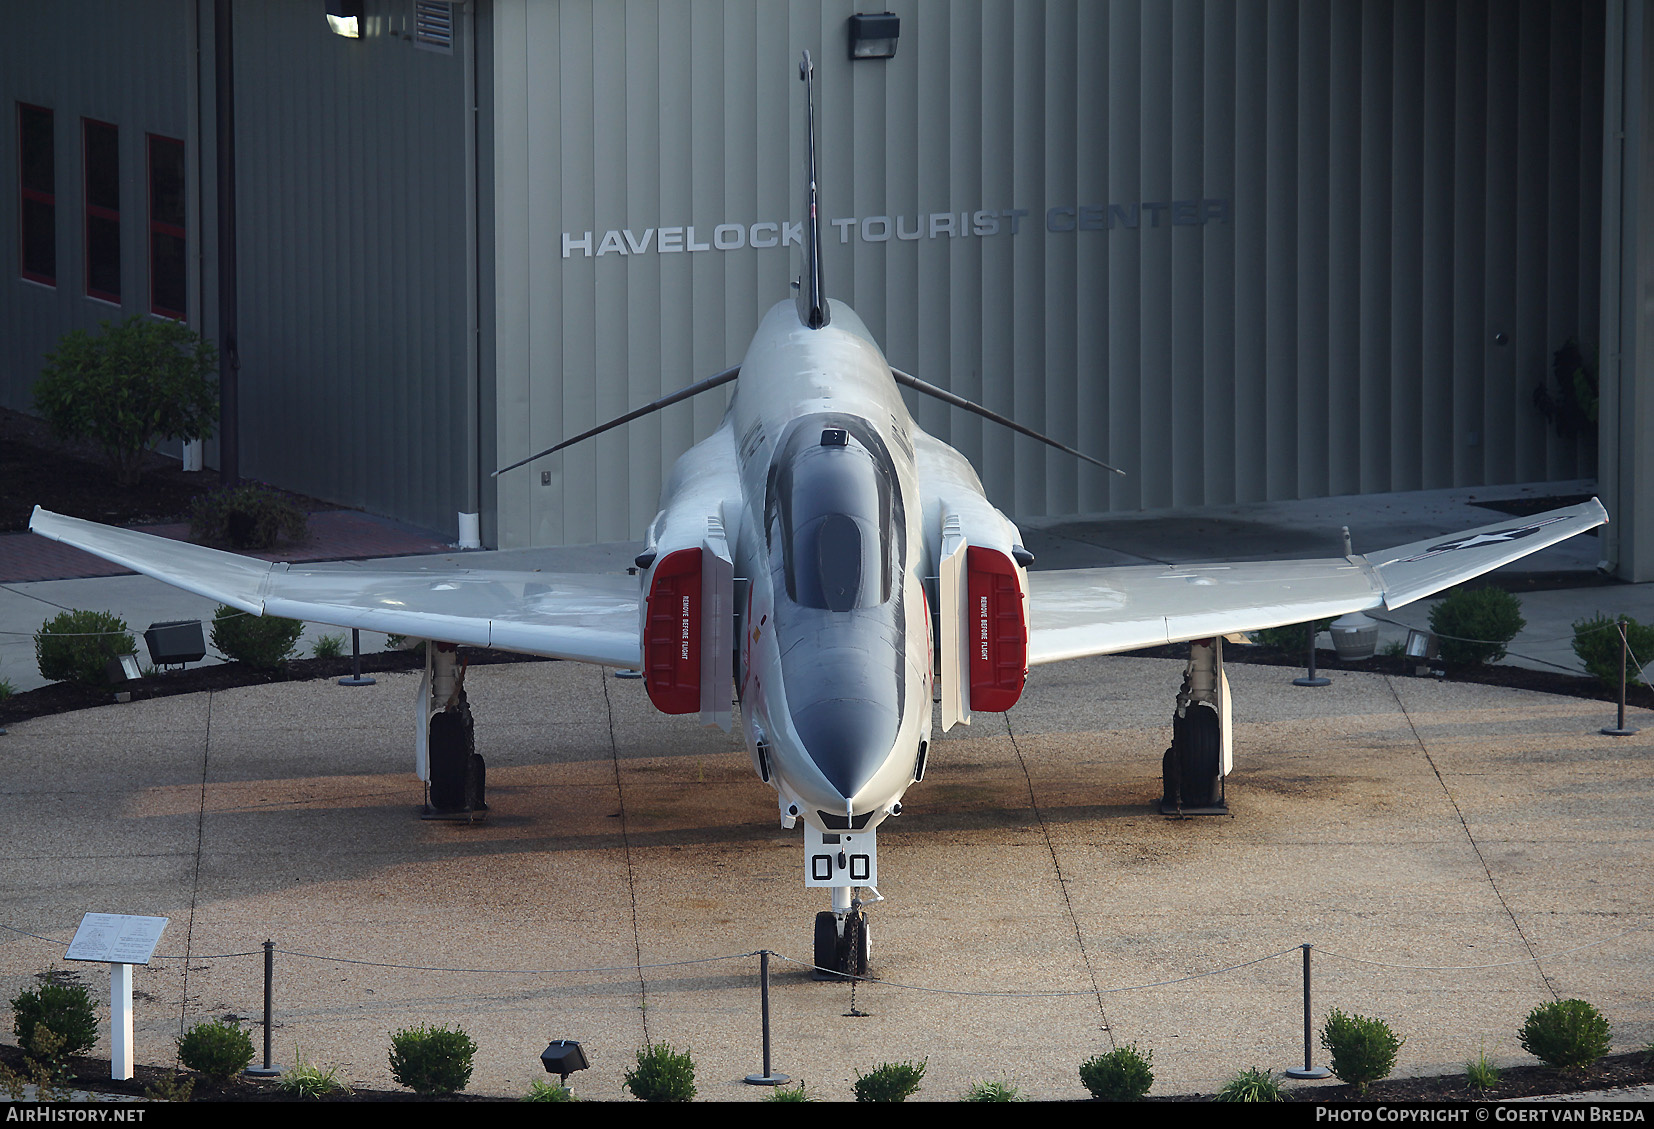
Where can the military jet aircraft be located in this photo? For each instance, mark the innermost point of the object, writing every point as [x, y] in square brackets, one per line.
[834, 570]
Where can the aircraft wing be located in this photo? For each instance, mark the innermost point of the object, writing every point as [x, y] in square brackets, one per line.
[1098, 611]
[587, 618]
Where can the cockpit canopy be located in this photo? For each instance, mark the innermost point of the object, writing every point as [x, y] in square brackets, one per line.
[831, 507]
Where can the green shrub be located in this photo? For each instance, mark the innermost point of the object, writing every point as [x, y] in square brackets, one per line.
[262, 642]
[248, 516]
[1474, 624]
[662, 1075]
[1254, 1085]
[329, 647]
[1567, 1033]
[6, 689]
[890, 1081]
[432, 1060]
[549, 1092]
[1291, 638]
[1122, 1075]
[1481, 1073]
[45, 1067]
[178, 1088]
[131, 386]
[1363, 1050]
[64, 1007]
[993, 1092]
[217, 1049]
[76, 646]
[1597, 643]
[308, 1081]
[790, 1094]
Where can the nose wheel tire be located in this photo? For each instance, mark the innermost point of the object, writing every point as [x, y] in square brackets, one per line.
[837, 955]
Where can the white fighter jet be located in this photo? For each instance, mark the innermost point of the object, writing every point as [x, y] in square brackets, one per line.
[834, 570]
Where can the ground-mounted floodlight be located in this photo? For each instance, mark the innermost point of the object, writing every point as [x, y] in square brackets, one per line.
[873, 36]
[175, 642]
[344, 17]
[1421, 648]
[123, 668]
[563, 1057]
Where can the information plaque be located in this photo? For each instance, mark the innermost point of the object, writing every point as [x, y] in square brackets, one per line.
[116, 938]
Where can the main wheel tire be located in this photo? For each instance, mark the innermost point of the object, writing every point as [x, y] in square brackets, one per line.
[826, 948]
[1202, 754]
[864, 945]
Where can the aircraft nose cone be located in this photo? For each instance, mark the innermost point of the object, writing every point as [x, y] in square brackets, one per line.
[848, 738]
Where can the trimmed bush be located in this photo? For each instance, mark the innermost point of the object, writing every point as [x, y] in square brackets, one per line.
[248, 516]
[432, 1060]
[134, 384]
[1254, 1085]
[1567, 1033]
[1597, 643]
[1474, 624]
[262, 642]
[1363, 1050]
[76, 646]
[217, 1049]
[890, 1081]
[662, 1075]
[63, 1007]
[1122, 1075]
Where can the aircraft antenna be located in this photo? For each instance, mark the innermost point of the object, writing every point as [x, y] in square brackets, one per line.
[812, 289]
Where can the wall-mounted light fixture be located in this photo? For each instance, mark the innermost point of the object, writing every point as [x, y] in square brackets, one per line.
[874, 36]
[344, 17]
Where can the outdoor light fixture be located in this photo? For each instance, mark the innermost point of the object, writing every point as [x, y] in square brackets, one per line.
[344, 17]
[1420, 644]
[176, 642]
[563, 1057]
[874, 36]
[123, 668]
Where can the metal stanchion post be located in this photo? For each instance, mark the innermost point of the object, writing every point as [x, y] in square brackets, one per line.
[769, 1077]
[267, 1070]
[1311, 679]
[1620, 730]
[356, 678]
[1309, 1069]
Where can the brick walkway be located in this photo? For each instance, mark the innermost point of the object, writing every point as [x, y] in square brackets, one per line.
[334, 535]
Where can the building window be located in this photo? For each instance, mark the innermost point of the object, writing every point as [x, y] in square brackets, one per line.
[103, 210]
[37, 210]
[166, 226]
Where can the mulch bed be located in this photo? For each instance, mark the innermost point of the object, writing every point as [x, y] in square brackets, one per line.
[1631, 1069]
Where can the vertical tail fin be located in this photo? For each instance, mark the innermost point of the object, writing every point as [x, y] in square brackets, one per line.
[812, 289]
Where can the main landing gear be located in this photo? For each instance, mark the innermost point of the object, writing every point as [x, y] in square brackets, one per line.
[1193, 768]
[843, 944]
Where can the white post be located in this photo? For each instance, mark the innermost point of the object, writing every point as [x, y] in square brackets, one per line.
[120, 1021]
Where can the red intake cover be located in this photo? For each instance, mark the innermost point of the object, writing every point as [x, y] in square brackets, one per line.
[672, 634]
[998, 627]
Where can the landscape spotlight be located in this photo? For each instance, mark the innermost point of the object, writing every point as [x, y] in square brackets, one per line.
[563, 1057]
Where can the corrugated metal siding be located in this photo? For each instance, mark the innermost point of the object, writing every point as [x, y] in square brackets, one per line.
[116, 61]
[1404, 180]
[351, 199]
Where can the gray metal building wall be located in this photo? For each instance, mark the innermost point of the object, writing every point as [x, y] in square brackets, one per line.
[142, 87]
[1385, 187]
[356, 210]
